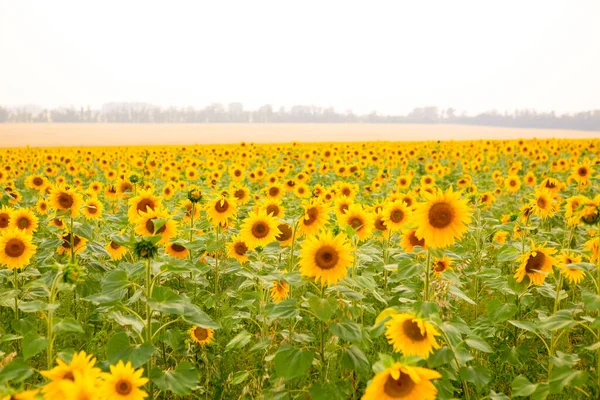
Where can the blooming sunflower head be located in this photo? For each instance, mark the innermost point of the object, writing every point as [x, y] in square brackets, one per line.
[202, 336]
[67, 200]
[16, 248]
[567, 263]
[403, 382]
[220, 210]
[535, 264]
[259, 229]
[156, 222]
[411, 335]
[24, 220]
[177, 250]
[123, 383]
[326, 257]
[279, 291]
[238, 249]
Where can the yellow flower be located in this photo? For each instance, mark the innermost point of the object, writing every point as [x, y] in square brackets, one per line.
[177, 250]
[536, 264]
[24, 220]
[4, 218]
[512, 184]
[442, 219]
[92, 209]
[316, 216]
[220, 210]
[202, 336]
[410, 240]
[441, 264]
[26, 395]
[326, 258]
[573, 274]
[403, 382]
[63, 199]
[286, 234]
[395, 215]
[141, 203]
[279, 291]
[16, 248]
[259, 229]
[238, 249]
[81, 363]
[123, 383]
[411, 335]
[115, 250]
[543, 205]
[145, 225]
[359, 219]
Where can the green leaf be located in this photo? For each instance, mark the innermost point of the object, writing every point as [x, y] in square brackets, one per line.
[521, 387]
[460, 294]
[115, 280]
[508, 253]
[36, 306]
[566, 376]
[477, 375]
[15, 372]
[477, 343]
[239, 377]
[590, 300]
[441, 357]
[499, 311]
[323, 308]
[33, 345]
[285, 309]
[562, 319]
[326, 391]
[166, 301]
[68, 324]
[347, 330]
[354, 359]
[181, 381]
[526, 325]
[240, 340]
[291, 363]
[119, 349]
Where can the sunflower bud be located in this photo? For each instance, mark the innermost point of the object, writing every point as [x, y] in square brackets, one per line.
[74, 274]
[194, 195]
[134, 179]
[145, 249]
[590, 215]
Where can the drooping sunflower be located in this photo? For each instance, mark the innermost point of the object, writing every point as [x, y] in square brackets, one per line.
[16, 248]
[442, 219]
[4, 217]
[573, 274]
[81, 362]
[411, 335]
[177, 250]
[326, 258]
[259, 229]
[536, 264]
[24, 220]
[145, 224]
[92, 208]
[410, 240]
[286, 233]
[141, 203]
[79, 244]
[403, 382]
[202, 336]
[68, 200]
[115, 250]
[359, 219]
[589, 213]
[543, 205]
[395, 215]
[220, 210]
[238, 249]
[123, 383]
[316, 216]
[279, 291]
[380, 225]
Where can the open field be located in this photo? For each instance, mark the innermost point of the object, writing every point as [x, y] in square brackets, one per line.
[50, 135]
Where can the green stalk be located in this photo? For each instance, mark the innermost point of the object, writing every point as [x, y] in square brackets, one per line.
[149, 318]
[50, 320]
[598, 292]
[322, 342]
[72, 238]
[427, 273]
[217, 273]
[16, 283]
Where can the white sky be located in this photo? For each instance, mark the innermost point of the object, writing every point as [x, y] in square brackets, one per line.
[388, 56]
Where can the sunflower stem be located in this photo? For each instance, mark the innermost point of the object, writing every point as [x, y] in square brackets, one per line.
[50, 320]
[427, 273]
[72, 240]
[149, 320]
[217, 274]
[598, 292]
[16, 275]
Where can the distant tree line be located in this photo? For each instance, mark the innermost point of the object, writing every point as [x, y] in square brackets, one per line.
[235, 113]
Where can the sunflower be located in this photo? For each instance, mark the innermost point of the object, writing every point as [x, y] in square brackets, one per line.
[111, 192]
[81, 363]
[24, 220]
[543, 205]
[273, 208]
[341, 206]
[26, 395]
[16, 248]
[220, 210]
[123, 383]
[177, 250]
[536, 264]
[395, 215]
[441, 265]
[326, 257]
[63, 199]
[380, 225]
[141, 203]
[145, 225]
[202, 336]
[410, 240]
[115, 250]
[37, 182]
[592, 246]
[79, 244]
[552, 184]
[187, 206]
[238, 249]
[411, 335]
[442, 219]
[286, 234]
[316, 216]
[42, 206]
[241, 194]
[274, 192]
[92, 208]
[359, 219]
[589, 213]
[279, 291]
[500, 237]
[404, 182]
[512, 184]
[4, 217]
[582, 172]
[259, 229]
[403, 382]
[82, 387]
[573, 275]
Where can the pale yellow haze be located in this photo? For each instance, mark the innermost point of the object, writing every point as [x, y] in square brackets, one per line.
[389, 56]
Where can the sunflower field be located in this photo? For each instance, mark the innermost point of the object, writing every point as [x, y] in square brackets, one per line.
[376, 271]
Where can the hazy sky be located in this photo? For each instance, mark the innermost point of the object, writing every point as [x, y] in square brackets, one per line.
[388, 56]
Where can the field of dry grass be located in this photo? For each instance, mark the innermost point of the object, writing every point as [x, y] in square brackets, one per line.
[49, 135]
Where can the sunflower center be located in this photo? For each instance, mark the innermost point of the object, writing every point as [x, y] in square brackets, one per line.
[550, 185]
[346, 192]
[178, 248]
[65, 200]
[535, 263]
[239, 194]
[513, 183]
[274, 191]
[286, 232]
[14, 248]
[441, 215]
[114, 245]
[413, 331]
[439, 267]
[67, 241]
[240, 248]
[221, 206]
[582, 171]
[343, 208]
[23, 223]
[92, 209]
[398, 388]
[200, 333]
[326, 257]
[69, 376]
[415, 241]
[379, 224]
[123, 387]
[273, 209]
[408, 201]
[397, 216]
[150, 226]
[356, 223]
[311, 216]
[143, 204]
[260, 230]
[37, 181]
